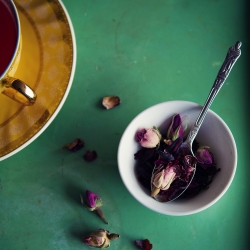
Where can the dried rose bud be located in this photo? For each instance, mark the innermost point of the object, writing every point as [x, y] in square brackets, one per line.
[162, 180]
[144, 244]
[148, 138]
[176, 128]
[93, 203]
[75, 145]
[100, 238]
[110, 101]
[90, 155]
[204, 157]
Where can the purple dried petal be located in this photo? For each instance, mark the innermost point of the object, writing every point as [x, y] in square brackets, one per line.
[90, 155]
[76, 145]
[143, 244]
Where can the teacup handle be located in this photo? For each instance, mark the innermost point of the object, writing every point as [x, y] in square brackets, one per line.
[18, 91]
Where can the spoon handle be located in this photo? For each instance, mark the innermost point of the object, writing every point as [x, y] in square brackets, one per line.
[233, 54]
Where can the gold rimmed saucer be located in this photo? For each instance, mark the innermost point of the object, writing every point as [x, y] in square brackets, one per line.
[47, 64]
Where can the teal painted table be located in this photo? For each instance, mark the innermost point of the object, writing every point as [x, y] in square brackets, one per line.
[146, 52]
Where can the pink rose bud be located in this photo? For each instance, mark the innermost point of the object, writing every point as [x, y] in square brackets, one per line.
[148, 138]
[93, 202]
[204, 157]
[176, 128]
[163, 180]
[100, 238]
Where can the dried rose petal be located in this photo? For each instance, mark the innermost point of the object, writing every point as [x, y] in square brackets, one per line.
[90, 155]
[110, 101]
[143, 244]
[76, 145]
[100, 238]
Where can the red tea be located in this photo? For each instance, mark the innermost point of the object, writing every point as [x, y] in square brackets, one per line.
[8, 34]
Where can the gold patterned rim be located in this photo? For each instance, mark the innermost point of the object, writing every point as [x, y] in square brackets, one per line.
[47, 64]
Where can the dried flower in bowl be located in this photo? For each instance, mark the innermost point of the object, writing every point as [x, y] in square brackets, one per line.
[163, 179]
[144, 244]
[76, 145]
[100, 238]
[177, 128]
[204, 157]
[172, 165]
[148, 138]
[93, 203]
[110, 102]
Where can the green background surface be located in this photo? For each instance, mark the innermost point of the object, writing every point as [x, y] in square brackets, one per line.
[145, 52]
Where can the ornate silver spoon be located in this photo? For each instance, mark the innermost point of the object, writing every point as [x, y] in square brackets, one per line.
[233, 54]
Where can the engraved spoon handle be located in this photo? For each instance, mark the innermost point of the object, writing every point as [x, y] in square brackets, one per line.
[233, 54]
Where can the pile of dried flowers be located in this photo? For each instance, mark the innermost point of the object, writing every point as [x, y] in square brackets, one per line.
[172, 162]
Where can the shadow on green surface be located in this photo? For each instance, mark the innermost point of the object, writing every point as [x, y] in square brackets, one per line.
[73, 192]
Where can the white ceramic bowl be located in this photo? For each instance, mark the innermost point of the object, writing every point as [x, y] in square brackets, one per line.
[214, 133]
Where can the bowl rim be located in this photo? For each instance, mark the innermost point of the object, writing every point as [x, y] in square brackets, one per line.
[223, 191]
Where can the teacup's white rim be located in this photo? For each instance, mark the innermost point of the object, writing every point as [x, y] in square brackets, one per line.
[195, 210]
[65, 94]
[18, 39]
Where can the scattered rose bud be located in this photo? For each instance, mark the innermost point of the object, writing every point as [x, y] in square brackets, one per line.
[100, 238]
[110, 101]
[162, 180]
[90, 155]
[148, 138]
[176, 128]
[143, 244]
[204, 157]
[93, 203]
[76, 145]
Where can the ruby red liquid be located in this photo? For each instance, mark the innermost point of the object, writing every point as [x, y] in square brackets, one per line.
[8, 34]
